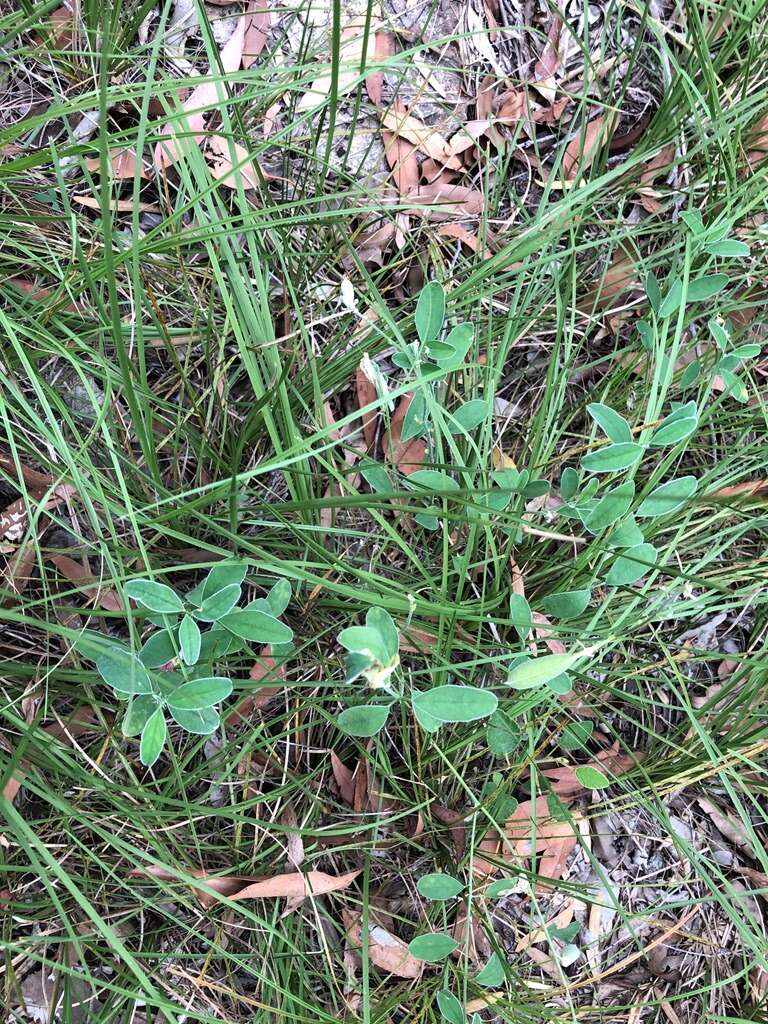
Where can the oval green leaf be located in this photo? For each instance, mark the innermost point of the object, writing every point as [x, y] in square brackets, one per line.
[492, 975]
[432, 946]
[139, 712]
[668, 497]
[379, 620]
[539, 671]
[520, 614]
[567, 604]
[155, 596]
[200, 693]
[613, 425]
[123, 671]
[366, 641]
[158, 650]
[255, 625]
[575, 735]
[364, 720]
[152, 738]
[591, 778]
[200, 723]
[672, 432]
[502, 734]
[611, 507]
[430, 312]
[189, 640]
[631, 565]
[705, 287]
[501, 887]
[219, 603]
[439, 887]
[450, 1008]
[452, 703]
[468, 416]
[613, 458]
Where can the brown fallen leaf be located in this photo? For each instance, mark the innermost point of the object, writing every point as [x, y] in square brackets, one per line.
[344, 778]
[123, 162]
[195, 108]
[621, 276]
[366, 393]
[258, 20]
[533, 831]
[445, 201]
[468, 136]
[265, 667]
[384, 949]
[81, 576]
[486, 96]
[15, 517]
[470, 935]
[730, 825]
[407, 456]
[549, 61]
[18, 571]
[63, 24]
[222, 167]
[117, 205]
[292, 885]
[350, 58]
[294, 842]
[428, 140]
[585, 146]
[455, 822]
[652, 168]
[383, 47]
[561, 920]
[756, 143]
[746, 489]
[463, 235]
[34, 480]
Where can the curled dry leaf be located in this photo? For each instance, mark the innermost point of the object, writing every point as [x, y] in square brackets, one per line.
[429, 141]
[81, 576]
[533, 832]
[585, 146]
[658, 164]
[383, 47]
[462, 235]
[407, 456]
[195, 108]
[123, 163]
[444, 201]
[116, 205]
[470, 935]
[385, 950]
[292, 885]
[366, 394]
[258, 20]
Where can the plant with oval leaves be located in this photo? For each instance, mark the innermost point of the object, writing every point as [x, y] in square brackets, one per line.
[373, 654]
[174, 672]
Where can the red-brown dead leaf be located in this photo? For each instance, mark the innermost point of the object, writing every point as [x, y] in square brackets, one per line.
[195, 107]
[18, 570]
[366, 393]
[470, 935]
[462, 234]
[401, 157]
[292, 885]
[486, 97]
[81, 576]
[123, 163]
[533, 831]
[428, 140]
[383, 47]
[585, 146]
[407, 456]
[385, 950]
[258, 19]
[746, 489]
[620, 277]
[757, 142]
[444, 201]
[455, 823]
[265, 667]
[344, 779]
[35, 481]
[62, 24]
[549, 61]
[468, 136]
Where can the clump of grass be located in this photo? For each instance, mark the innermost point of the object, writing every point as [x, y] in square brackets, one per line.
[178, 377]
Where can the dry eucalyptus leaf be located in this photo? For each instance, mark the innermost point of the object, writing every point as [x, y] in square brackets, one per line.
[385, 950]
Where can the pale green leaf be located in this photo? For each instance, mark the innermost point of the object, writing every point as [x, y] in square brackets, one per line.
[451, 703]
[364, 720]
[438, 886]
[155, 596]
[152, 738]
[668, 497]
[613, 425]
[432, 946]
